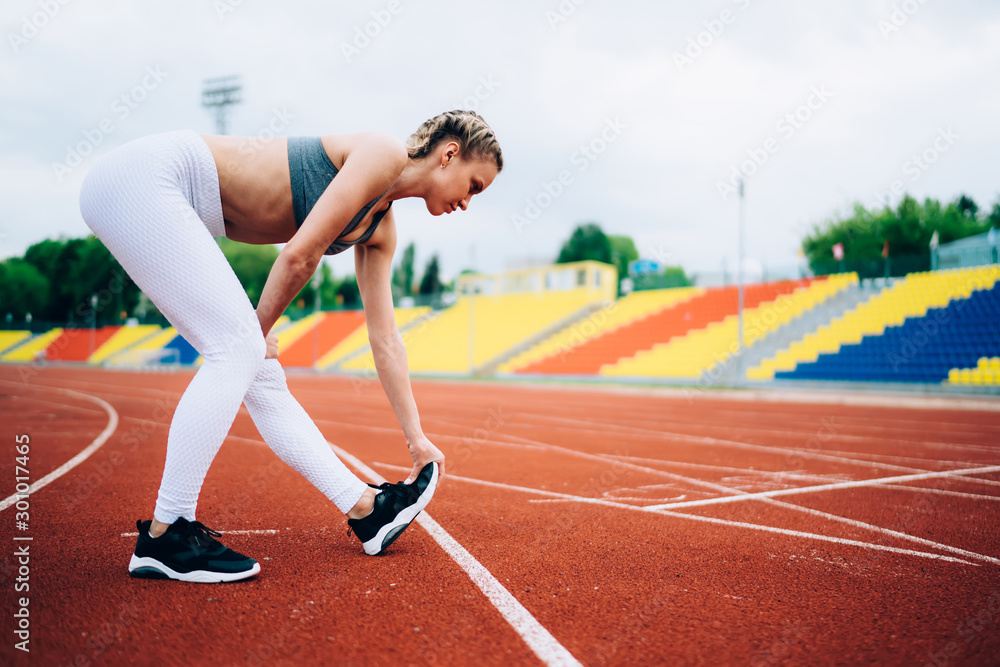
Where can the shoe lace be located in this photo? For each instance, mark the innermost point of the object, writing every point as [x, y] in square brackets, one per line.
[198, 534]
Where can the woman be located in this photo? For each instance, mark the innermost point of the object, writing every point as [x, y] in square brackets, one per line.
[157, 203]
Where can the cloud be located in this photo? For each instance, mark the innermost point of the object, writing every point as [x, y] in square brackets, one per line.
[556, 82]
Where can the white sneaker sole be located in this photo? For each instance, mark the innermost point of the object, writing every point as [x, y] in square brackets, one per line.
[151, 565]
[377, 544]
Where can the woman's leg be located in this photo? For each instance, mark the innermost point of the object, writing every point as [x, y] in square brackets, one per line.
[140, 201]
[293, 436]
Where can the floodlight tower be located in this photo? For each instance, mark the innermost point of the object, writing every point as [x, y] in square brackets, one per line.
[220, 94]
[739, 282]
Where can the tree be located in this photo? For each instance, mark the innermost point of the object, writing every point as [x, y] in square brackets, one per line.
[348, 293]
[674, 276]
[431, 282]
[994, 217]
[908, 230]
[622, 252]
[76, 270]
[251, 264]
[402, 275]
[967, 207]
[23, 289]
[588, 241]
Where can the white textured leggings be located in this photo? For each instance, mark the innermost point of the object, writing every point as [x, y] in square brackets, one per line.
[155, 204]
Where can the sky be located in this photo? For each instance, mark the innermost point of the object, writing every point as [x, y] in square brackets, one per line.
[639, 116]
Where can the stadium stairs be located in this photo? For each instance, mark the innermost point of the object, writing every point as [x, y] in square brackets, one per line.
[12, 339]
[643, 334]
[502, 322]
[910, 297]
[961, 330]
[626, 310]
[822, 312]
[356, 343]
[329, 329]
[687, 357]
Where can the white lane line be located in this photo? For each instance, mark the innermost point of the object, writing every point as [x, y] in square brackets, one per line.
[828, 487]
[780, 476]
[825, 515]
[705, 519]
[269, 531]
[79, 458]
[546, 647]
[581, 425]
[607, 459]
[742, 445]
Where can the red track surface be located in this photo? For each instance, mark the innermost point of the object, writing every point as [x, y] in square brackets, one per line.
[612, 584]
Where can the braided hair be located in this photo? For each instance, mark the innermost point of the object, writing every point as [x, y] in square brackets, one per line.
[475, 138]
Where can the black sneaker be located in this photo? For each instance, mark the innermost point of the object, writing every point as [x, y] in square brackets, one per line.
[188, 551]
[395, 507]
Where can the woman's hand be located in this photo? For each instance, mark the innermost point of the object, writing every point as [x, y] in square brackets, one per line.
[423, 452]
[272, 346]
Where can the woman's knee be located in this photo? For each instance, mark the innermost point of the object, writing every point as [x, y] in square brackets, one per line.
[245, 349]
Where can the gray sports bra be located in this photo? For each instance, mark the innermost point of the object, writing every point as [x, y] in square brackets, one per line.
[311, 171]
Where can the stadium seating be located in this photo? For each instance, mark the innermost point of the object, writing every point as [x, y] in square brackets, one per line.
[78, 344]
[441, 344]
[625, 310]
[358, 340]
[915, 331]
[690, 314]
[690, 355]
[701, 350]
[8, 339]
[328, 330]
[123, 339]
[33, 348]
[986, 372]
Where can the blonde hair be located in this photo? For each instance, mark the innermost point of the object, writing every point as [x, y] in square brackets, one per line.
[475, 138]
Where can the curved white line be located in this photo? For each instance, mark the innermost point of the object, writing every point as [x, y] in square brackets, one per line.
[546, 647]
[76, 460]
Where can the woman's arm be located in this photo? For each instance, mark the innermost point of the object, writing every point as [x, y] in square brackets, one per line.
[373, 266]
[374, 163]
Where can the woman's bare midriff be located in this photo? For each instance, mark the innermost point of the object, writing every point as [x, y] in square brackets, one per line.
[255, 186]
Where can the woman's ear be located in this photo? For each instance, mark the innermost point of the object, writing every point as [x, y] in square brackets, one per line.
[449, 152]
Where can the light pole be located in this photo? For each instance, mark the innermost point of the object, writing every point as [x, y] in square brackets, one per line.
[316, 280]
[220, 94]
[739, 282]
[93, 324]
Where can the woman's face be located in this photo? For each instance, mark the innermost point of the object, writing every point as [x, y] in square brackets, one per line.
[454, 181]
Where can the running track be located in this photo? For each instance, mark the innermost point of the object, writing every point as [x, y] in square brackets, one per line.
[575, 525]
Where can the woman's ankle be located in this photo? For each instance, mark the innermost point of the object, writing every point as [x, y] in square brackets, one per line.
[364, 506]
[157, 528]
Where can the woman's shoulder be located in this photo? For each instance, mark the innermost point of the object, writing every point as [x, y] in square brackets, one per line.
[380, 146]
